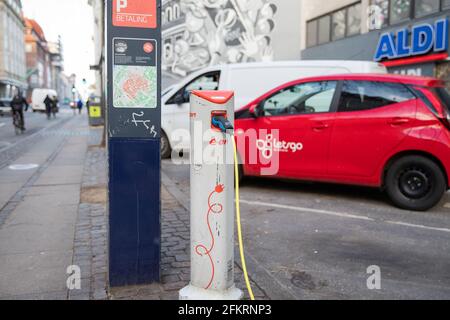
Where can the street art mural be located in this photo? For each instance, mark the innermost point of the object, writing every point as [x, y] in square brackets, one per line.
[200, 33]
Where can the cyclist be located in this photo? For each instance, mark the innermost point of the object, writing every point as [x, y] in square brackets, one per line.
[17, 105]
[48, 106]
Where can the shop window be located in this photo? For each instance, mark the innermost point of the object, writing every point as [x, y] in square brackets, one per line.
[311, 33]
[338, 25]
[354, 20]
[445, 4]
[400, 10]
[426, 7]
[334, 26]
[324, 25]
[379, 15]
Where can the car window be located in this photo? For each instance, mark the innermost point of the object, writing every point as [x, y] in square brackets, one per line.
[444, 95]
[305, 98]
[208, 81]
[366, 95]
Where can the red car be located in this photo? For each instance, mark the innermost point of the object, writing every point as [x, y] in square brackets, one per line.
[386, 131]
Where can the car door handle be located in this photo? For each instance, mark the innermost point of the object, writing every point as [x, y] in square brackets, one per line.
[398, 121]
[319, 126]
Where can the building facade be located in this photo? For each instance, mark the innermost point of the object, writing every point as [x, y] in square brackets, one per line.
[58, 80]
[409, 37]
[12, 48]
[56, 63]
[98, 7]
[201, 33]
[38, 57]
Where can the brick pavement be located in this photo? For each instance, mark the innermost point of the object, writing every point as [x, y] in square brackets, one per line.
[90, 243]
[175, 261]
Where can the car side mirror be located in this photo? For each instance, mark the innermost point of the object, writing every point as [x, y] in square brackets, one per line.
[179, 99]
[186, 96]
[254, 111]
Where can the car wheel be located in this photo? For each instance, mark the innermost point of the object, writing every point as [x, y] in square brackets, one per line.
[415, 183]
[166, 151]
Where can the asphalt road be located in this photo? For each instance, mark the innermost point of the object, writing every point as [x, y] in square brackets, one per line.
[12, 145]
[34, 122]
[316, 241]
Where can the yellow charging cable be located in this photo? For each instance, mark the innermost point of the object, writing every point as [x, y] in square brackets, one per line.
[238, 221]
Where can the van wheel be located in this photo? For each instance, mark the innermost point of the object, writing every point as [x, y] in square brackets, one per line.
[166, 151]
[415, 183]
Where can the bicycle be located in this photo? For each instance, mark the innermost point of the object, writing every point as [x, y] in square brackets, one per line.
[18, 123]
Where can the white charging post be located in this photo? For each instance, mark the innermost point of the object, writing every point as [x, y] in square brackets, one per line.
[212, 200]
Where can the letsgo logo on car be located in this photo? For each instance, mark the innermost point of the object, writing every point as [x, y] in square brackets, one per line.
[271, 145]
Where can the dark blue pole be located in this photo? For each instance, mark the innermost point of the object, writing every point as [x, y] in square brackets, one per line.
[134, 122]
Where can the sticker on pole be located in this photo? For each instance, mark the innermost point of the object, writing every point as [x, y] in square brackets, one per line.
[135, 73]
[134, 13]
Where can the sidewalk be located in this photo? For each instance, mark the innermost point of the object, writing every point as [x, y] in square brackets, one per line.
[38, 214]
[91, 240]
[59, 219]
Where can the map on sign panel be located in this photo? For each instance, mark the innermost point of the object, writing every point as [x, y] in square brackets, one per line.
[134, 73]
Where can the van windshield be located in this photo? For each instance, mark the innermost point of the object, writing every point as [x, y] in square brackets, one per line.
[444, 95]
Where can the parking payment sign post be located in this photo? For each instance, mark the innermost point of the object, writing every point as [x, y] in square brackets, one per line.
[134, 126]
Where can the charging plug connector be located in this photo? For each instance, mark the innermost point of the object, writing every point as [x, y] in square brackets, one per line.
[221, 123]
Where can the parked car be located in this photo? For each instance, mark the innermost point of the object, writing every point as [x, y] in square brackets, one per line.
[38, 97]
[385, 131]
[5, 106]
[248, 81]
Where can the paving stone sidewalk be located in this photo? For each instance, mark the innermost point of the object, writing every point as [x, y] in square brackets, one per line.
[90, 243]
[175, 262]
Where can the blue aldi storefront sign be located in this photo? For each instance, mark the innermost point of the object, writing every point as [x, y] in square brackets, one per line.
[419, 40]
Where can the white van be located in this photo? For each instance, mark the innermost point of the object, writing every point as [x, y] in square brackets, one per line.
[38, 97]
[249, 81]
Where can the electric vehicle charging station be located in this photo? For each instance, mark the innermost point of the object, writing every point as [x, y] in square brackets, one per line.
[212, 198]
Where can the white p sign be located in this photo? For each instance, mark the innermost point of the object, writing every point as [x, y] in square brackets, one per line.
[121, 4]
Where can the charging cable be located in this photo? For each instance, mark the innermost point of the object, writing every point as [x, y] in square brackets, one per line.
[223, 124]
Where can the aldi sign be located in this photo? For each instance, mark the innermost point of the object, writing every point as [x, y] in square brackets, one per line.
[134, 13]
[418, 40]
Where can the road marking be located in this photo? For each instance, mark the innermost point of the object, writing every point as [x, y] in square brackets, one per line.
[418, 226]
[307, 210]
[2, 124]
[23, 167]
[340, 214]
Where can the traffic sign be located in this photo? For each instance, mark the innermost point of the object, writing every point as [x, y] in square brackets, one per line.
[135, 13]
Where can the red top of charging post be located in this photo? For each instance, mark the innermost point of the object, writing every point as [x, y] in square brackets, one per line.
[217, 97]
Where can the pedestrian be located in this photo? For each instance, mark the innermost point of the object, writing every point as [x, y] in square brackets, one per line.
[17, 106]
[55, 106]
[80, 106]
[48, 106]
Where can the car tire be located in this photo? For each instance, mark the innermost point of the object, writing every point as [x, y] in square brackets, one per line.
[415, 183]
[166, 151]
[241, 174]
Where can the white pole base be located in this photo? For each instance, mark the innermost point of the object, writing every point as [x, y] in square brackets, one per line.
[193, 293]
